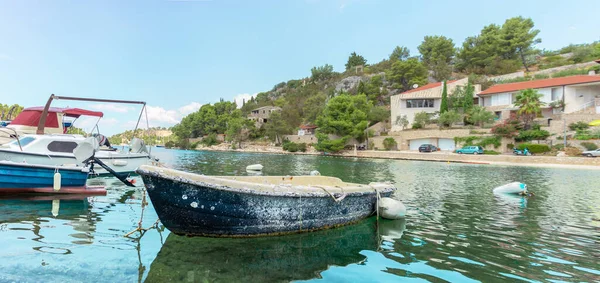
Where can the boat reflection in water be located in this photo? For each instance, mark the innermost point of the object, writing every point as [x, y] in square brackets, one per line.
[267, 259]
[37, 210]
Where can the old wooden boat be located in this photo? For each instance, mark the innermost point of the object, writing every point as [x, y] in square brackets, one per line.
[242, 206]
[23, 178]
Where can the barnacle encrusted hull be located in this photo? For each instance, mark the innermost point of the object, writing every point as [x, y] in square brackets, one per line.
[191, 204]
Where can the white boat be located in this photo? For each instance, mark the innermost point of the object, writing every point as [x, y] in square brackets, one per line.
[38, 136]
[58, 150]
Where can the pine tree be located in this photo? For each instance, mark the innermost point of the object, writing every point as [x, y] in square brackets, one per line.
[444, 104]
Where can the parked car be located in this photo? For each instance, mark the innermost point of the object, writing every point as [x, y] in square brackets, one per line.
[472, 149]
[427, 148]
[591, 153]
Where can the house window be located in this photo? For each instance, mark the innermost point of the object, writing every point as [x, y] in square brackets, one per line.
[419, 103]
[556, 94]
[513, 98]
[61, 146]
[263, 111]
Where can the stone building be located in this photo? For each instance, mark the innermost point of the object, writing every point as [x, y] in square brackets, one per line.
[261, 115]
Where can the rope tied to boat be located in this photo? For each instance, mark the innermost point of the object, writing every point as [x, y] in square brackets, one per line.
[343, 196]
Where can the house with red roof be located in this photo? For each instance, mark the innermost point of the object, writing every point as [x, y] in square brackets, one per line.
[426, 98]
[307, 130]
[579, 93]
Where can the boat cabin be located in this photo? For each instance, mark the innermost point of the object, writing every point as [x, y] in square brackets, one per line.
[58, 120]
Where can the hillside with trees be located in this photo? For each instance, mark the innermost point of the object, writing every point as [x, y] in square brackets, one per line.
[345, 103]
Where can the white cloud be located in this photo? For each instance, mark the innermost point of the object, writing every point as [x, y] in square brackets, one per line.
[162, 117]
[240, 98]
[112, 107]
[572, 28]
[190, 108]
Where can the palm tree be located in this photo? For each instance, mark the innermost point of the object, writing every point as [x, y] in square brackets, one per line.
[530, 106]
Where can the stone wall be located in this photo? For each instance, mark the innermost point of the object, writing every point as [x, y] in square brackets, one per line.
[450, 157]
[308, 139]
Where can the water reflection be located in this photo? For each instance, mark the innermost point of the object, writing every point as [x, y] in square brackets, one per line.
[270, 259]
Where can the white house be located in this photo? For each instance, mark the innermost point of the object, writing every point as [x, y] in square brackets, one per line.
[426, 98]
[579, 93]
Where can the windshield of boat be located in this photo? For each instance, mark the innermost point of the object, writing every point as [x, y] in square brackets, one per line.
[24, 141]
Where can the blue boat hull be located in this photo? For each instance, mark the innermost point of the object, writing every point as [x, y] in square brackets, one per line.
[193, 210]
[19, 176]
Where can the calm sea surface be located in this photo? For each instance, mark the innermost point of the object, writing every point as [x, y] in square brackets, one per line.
[456, 230]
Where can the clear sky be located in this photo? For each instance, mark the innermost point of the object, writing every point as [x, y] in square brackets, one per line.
[179, 54]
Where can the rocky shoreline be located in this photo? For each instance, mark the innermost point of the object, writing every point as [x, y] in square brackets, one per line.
[503, 160]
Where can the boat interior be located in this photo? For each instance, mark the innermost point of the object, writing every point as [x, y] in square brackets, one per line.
[271, 183]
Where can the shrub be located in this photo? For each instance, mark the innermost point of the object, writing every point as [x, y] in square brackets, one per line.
[589, 145]
[170, 144]
[326, 145]
[530, 135]
[578, 126]
[422, 119]
[491, 152]
[534, 148]
[389, 143]
[583, 135]
[302, 147]
[371, 145]
[493, 140]
[293, 147]
[448, 118]
[572, 151]
[510, 145]
[194, 145]
[209, 140]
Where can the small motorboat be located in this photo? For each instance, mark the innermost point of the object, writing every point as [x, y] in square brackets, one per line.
[18, 178]
[244, 206]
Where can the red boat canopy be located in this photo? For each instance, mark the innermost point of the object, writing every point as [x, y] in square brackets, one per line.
[31, 116]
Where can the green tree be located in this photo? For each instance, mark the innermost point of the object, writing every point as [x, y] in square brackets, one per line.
[276, 127]
[345, 116]
[355, 60]
[420, 120]
[313, 107]
[378, 114]
[444, 103]
[478, 115]
[437, 53]
[322, 72]
[402, 121]
[449, 118]
[518, 38]
[328, 145]
[389, 143]
[400, 53]
[407, 73]
[530, 106]
[237, 130]
[461, 99]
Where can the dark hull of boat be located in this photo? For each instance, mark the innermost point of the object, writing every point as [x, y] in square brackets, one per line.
[194, 210]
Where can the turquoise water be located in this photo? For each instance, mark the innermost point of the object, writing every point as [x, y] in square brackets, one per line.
[456, 230]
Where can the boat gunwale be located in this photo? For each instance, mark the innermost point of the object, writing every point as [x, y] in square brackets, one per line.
[285, 190]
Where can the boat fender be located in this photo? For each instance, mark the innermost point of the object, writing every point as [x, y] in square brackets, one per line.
[391, 209]
[57, 180]
[119, 162]
[512, 188]
[254, 167]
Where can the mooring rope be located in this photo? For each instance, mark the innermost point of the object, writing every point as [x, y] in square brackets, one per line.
[332, 196]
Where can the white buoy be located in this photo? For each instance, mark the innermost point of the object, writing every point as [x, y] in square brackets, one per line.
[315, 173]
[512, 188]
[57, 181]
[391, 209]
[254, 167]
